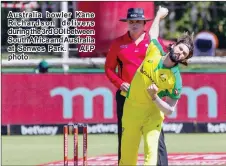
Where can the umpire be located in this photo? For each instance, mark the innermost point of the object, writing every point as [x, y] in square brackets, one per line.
[126, 54]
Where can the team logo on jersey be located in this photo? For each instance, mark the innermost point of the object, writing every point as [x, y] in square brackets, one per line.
[163, 77]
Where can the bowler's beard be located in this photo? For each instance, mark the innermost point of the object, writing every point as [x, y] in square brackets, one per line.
[173, 57]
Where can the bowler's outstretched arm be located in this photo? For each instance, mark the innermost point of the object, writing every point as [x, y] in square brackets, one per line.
[154, 30]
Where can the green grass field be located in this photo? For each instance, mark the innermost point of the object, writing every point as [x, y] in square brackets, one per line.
[35, 150]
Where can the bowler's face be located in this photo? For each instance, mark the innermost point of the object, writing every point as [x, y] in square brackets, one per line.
[135, 26]
[181, 51]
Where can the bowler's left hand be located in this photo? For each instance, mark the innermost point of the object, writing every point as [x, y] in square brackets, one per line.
[152, 90]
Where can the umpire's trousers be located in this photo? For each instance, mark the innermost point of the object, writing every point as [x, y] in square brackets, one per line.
[162, 152]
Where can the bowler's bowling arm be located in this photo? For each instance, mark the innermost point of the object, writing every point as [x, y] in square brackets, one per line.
[154, 30]
[168, 106]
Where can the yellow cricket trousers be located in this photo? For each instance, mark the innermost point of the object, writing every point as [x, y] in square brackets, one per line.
[140, 120]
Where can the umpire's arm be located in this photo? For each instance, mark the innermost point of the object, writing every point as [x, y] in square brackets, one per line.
[111, 64]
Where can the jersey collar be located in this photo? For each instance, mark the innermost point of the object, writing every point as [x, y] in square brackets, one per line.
[173, 68]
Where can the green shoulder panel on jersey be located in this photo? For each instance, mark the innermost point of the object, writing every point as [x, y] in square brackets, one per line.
[154, 45]
[160, 66]
[176, 91]
[158, 45]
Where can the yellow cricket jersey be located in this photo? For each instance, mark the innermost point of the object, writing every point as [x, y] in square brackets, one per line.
[141, 116]
[152, 70]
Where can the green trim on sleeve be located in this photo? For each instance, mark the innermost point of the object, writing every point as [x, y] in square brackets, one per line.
[162, 94]
[158, 45]
[176, 91]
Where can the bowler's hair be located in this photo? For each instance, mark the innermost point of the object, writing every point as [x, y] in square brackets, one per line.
[188, 41]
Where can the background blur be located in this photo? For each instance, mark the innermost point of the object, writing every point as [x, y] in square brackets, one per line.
[75, 88]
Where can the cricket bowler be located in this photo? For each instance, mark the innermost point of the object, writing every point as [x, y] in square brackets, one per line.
[158, 77]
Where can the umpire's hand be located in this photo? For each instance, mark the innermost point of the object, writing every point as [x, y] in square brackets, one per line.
[125, 86]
